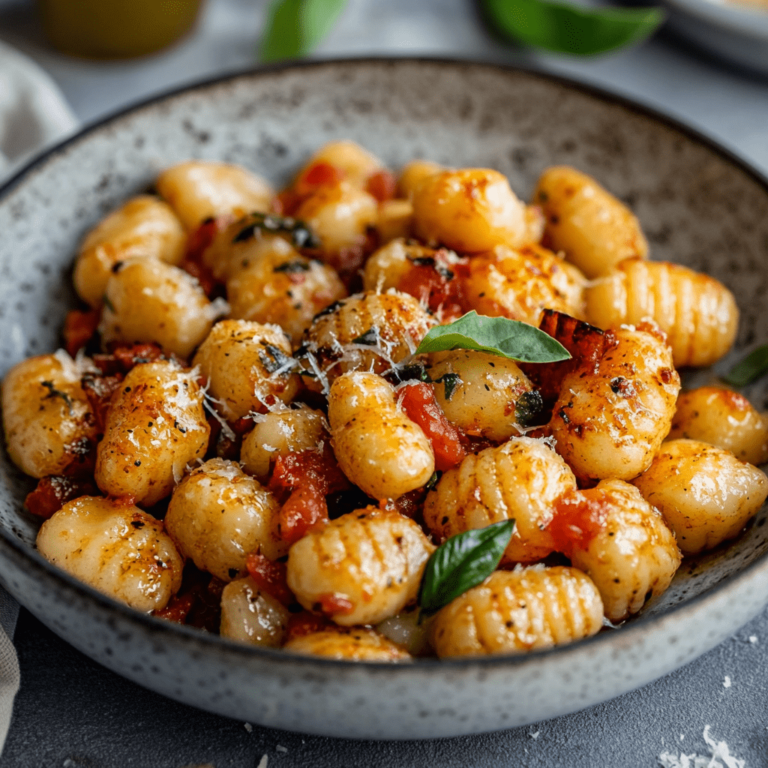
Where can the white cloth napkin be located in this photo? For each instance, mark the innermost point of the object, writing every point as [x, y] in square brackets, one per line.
[33, 115]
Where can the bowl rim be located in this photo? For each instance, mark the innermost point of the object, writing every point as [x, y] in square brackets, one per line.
[194, 636]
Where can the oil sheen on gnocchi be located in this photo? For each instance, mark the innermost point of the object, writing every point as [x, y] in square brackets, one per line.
[238, 435]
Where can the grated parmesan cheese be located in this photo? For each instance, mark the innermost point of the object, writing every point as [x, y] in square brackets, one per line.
[719, 757]
[727, 682]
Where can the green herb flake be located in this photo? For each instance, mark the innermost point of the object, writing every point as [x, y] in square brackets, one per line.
[369, 339]
[108, 304]
[449, 381]
[528, 407]
[53, 392]
[274, 359]
[496, 335]
[750, 369]
[290, 267]
[432, 482]
[462, 562]
[301, 235]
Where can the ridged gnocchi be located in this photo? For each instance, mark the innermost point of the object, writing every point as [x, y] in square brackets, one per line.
[519, 611]
[705, 494]
[359, 644]
[362, 568]
[698, 313]
[115, 548]
[218, 515]
[520, 480]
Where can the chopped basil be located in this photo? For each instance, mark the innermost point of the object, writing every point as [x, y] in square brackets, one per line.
[462, 562]
[750, 369]
[432, 482]
[449, 381]
[528, 407]
[498, 336]
[274, 359]
[301, 235]
[292, 266]
[53, 392]
[370, 338]
[108, 304]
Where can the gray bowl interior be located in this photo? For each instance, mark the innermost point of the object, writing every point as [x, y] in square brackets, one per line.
[697, 205]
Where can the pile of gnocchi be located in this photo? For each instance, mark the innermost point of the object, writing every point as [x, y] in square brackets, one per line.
[240, 435]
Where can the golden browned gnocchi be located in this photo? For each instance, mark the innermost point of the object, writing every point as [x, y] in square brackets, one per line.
[280, 432]
[519, 611]
[520, 284]
[145, 227]
[201, 189]
[612, 416]
[318, 533]
[247, 367]
[698, 313]
[218, 515]
[620, 541]
[147, 300]
[589, 225]
[469, 210]
[366, 332]
[252, 616]
[705, 494]
[724, 419]
[49, 425]
[377, 446]
[362, 568]
[520, 480]
[155, 426]
[358, 644]
[115, 548]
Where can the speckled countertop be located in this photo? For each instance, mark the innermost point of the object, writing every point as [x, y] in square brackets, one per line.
[71, 713]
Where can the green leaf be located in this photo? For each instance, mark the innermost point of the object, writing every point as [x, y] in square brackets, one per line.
[564, 28]
[462, 562]
[750, 369]
[295, 27]
[497, 335]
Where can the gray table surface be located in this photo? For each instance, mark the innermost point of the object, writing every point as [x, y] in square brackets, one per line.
[71, 712]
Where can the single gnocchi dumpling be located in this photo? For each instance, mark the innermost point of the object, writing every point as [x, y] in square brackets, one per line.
[340, 215]
[252, 616]
[469, 210]
[698, 313]
[274, 283]
[280, 432]
[356, 644]
[519, 611]
[482, 394]
[366, 332]
[705, 494]
[115, 548]
[395, 219]
[201, 189]
[155, 426]
[620, 541]
[589, 225]
[247, 367]
[724, 419]
[413, 174]
[350, 161]
[362, 568]
[520, 480]
[144, 227]
[521, 284]
[218, 515]
[377, 446]
[149, 301]
[49, 425]
[612, 415]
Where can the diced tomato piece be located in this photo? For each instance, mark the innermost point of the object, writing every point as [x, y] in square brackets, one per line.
[121, 358]
[270, 577]
[382, 185]
[579, 517]
[178, 608]
[417, 399]
[332, 603]
[99, 391]
[54, 491]
[317, 175]
[306, 477]
[197, 244]
[437, 283]
[79, 328]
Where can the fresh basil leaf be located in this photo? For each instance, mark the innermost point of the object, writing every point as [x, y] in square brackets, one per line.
[462, 562]
[295, 27]
[750, 369]
[565, 28]
[497, 335]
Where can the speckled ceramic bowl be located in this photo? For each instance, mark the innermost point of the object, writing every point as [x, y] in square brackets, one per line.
[697, 205]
